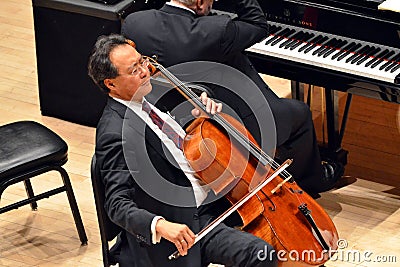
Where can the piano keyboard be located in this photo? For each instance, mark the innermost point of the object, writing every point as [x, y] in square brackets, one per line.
[331, 52]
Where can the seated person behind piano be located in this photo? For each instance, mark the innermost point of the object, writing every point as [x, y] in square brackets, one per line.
[158, 205]
[185, 30]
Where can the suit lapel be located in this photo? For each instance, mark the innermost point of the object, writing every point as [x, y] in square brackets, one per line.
[134, 122]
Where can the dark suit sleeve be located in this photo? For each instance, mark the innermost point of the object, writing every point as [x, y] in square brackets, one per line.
[120, 188]
[248, 28]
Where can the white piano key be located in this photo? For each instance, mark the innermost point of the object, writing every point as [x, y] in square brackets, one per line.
[327, 62]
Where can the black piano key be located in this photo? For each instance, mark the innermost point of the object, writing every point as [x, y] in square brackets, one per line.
[315, 39]
[357, 46]
[344, 50]
[281, 31]
[382, 54]
[322, 47]
[333, 49]
[291, 39]
[371, 53]
[307, 37]
[288, 41]
[393, 63]
[363, 54]
[284, 36]
[333, 44]
[294, 45]
[327, 53]
[381, 59]
[273, 29]
[341, 44]
[289, 44]
[315, 44]
[394, 58]
[277, 35]
[298, 41]
[395, 68]
[323, 50]
[357, 53]
[277, 40]
[346, 53]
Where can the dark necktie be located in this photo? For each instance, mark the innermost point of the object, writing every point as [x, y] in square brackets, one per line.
[164, 127]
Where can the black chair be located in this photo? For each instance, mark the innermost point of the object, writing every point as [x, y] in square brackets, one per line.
[108, 230]
[28, 149]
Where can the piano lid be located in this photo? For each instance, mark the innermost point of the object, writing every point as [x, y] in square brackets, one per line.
[363, 3]
[366, 7]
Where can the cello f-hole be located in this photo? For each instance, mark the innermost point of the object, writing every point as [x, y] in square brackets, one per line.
[273, 208]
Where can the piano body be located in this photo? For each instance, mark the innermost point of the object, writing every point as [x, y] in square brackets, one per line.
[345, 45]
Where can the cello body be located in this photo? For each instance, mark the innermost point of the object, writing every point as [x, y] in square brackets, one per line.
[278, 212]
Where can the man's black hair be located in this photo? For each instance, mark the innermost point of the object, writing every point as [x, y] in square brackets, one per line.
[100, 66]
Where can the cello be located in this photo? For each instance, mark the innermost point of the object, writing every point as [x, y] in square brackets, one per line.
[270, 203]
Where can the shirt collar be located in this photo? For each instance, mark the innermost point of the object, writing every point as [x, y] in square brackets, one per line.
[133, 105]
[179, 6]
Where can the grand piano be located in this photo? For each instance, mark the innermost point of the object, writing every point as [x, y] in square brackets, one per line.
[344, 45]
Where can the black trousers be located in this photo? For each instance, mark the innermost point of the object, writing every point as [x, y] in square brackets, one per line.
[301, 146]
[295, 139]
[232, 247]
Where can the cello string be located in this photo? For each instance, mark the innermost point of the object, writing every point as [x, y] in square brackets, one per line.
[239, 136]
[235, 206]
[254, 149]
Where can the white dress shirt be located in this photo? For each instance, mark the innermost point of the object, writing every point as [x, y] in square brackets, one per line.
[199, 189]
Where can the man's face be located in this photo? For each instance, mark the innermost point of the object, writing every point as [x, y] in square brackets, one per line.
[204, 7]
[133, 80]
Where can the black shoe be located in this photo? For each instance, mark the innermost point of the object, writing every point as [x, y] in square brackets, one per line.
[331, 173]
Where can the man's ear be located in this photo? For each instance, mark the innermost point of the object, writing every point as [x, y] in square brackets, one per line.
[109, 83]
[199, 4]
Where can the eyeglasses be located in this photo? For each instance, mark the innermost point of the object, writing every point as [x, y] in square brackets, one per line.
[143, 62]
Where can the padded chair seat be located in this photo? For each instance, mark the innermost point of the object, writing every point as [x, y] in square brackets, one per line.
[27, 145]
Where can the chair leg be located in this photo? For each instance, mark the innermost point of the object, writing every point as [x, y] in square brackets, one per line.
[106, 252]
[29, 192]
[74, 206]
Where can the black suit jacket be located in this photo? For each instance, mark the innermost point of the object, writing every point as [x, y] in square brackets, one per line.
[176, 36]
[140, 179]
